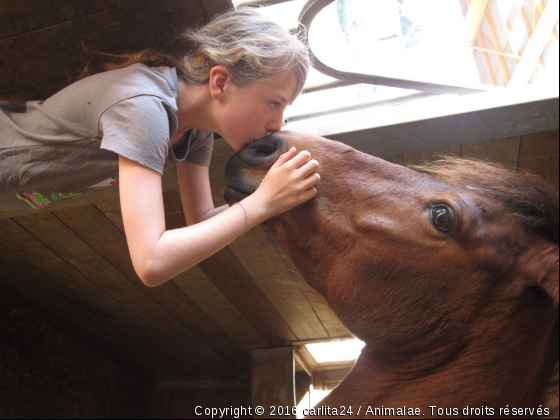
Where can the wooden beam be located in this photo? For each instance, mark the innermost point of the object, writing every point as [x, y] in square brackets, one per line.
[326, 380]
[485, 57]
[473, 19]
[487, 61]
[497, 47]
[516, 57]
[304, 360]
[231, 278]
[273, 380]
[436, 122]
[536, 45]
[535, 14]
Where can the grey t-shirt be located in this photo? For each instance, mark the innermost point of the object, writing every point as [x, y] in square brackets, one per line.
[51, 150]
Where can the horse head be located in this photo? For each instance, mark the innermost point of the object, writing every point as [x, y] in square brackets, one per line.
[424, 266]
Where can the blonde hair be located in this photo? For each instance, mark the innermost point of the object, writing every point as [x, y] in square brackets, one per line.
[248, 44]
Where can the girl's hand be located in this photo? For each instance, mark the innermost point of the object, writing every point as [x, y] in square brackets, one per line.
[289, 182]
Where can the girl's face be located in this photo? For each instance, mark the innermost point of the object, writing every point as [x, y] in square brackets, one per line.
[251, 112]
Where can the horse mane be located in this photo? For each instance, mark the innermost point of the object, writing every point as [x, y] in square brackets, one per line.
[525, 195]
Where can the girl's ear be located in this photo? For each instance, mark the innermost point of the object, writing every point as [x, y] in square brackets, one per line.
[219, 77]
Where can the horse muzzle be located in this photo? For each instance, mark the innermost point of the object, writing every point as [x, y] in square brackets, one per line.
[246, 169]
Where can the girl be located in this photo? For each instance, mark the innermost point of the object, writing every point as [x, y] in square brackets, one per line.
[153, 112]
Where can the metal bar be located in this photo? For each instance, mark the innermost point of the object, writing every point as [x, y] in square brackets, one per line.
[326, 86]
[308, 13]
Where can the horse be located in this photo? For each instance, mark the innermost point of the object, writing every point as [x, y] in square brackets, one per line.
[448, 273]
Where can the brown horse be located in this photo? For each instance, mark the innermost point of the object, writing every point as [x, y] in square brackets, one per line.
[451, 278]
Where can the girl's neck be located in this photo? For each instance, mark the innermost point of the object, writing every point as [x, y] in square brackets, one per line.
[193, 110]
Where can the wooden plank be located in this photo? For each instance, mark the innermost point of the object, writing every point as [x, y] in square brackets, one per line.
[130, 293]
[326, 380]
[303, 384]
[198, 287]
[58, 48]
[440, 122]
[201, 333]
[273, 379]
[504, 151]
[487, 61]
[539, 154]
[535, 47]
[236, 284]
[333, 326]
[88, 197]
[497, 47]
[258, 255]
[27, 15]
[473, 19]
[36, 274]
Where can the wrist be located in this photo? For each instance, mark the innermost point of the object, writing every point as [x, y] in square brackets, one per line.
[256, 208]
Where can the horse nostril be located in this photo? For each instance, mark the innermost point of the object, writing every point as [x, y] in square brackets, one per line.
[262, 148]
[263, 151]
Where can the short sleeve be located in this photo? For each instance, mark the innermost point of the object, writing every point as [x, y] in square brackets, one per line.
[138, 128]
[200, 148]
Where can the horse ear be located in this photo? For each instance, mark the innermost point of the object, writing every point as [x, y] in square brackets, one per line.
[548, 272]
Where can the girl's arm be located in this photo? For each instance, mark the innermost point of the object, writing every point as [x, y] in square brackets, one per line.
[194, 186]
[159, 255]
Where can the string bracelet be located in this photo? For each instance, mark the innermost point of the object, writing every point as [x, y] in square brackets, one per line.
[244, 212]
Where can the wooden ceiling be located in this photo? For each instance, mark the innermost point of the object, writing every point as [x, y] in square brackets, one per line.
[71, 265]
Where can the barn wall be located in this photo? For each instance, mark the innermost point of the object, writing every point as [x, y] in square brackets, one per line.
[182, 403]
[535, 153]
[45, 373]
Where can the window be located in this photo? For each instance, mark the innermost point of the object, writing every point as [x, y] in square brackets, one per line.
[430, 49]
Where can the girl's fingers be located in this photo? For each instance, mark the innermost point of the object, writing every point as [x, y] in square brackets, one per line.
[302, 158]
[284, 158]
[310, 181]
[309, 167]
[309, 194]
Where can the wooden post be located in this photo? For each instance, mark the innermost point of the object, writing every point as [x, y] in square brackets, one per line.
[273, 381]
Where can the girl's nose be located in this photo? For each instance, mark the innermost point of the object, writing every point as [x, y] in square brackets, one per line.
[275, 124]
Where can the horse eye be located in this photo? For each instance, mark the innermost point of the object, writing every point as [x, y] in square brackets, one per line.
[442, 218]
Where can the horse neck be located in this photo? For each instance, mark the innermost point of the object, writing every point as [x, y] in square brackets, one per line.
[473, 377]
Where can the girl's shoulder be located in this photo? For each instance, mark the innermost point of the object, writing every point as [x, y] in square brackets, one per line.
[111, 87]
